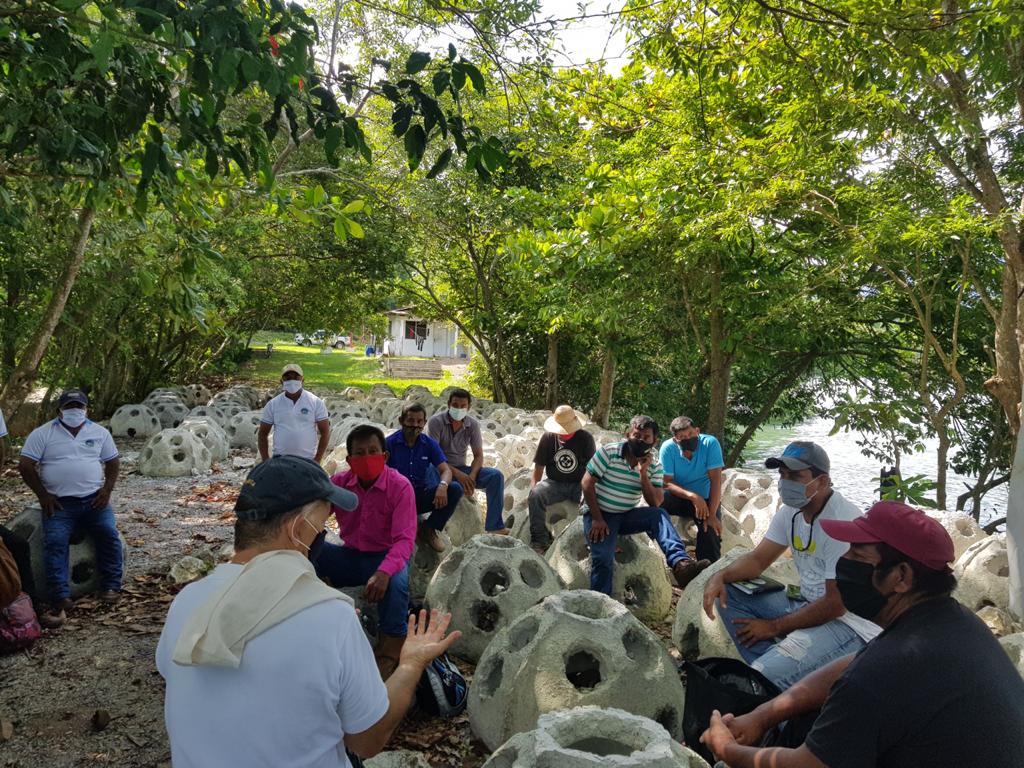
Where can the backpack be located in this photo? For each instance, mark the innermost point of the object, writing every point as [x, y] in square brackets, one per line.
[19, 627]
[728, 685]
[442, 690]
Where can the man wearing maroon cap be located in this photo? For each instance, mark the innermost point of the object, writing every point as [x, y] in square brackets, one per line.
[933, 689]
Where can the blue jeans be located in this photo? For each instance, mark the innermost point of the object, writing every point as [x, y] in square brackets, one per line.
[653, 521]
[438, 518]
[493, 484]
[348, 567]
[799, 653]
[77, 514]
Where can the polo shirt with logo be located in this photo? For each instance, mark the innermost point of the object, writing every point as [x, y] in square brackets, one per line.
[295, 423]
[3, 425]
[454, 443]
[692, 473]
[618, 485]
[413, 462]
[70, 465]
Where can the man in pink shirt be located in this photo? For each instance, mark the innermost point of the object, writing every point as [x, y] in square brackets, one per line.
[377, 538]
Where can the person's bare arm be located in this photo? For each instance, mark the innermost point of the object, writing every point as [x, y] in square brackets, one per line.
[750, 566]
[323, 427]
[263, 441]
[478, 462]
[652, 494]
[29, 471]
[538, 474]
[720, 741]
[598, 526]
[715, 499]
[110, 471]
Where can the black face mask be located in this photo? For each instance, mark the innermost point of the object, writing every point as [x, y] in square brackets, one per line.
[688, 443]
[857, 590]
[411, 432]
[316, 544]
[639, 448]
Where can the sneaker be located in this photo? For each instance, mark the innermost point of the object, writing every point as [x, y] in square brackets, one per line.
[52, 620]
[686, 571]
[64, 604]
[540, 549]
[109, 596]
[501, 531]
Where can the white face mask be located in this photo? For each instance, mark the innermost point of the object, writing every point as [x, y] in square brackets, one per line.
[292, 386]
[73, 417]
[457, 414]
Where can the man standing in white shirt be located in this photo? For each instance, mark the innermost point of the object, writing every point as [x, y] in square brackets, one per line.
[3, 439]
[786, 637]
[268, 666]
[71, 464]
[298, 418]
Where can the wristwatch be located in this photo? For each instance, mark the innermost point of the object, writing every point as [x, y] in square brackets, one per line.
[444, 483]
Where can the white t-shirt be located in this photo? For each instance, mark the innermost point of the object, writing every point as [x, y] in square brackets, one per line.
[3, 425]
[302, 685]
[295, 423]
[817, 564]
[70, 465]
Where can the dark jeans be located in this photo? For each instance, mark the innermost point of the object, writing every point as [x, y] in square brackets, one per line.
[709, 544]
[492, 483]
[543, 495]
[650, 520]
[348, 567]
[78, 514]
[437, 518]
[20, 551]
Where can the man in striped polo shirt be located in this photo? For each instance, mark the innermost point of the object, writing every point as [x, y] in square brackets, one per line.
[618, 479]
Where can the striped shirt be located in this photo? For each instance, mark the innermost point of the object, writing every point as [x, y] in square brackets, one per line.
[618, 485]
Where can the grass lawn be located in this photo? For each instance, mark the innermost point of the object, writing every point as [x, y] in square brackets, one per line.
[340, 369]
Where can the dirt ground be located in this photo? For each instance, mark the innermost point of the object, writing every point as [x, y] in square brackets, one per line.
[89, 694]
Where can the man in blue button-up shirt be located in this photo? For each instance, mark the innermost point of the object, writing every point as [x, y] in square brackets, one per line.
[423, 463]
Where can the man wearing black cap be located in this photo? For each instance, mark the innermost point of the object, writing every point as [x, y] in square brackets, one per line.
[71, 465]
[267, 665]
[933, 689]
[781, 636]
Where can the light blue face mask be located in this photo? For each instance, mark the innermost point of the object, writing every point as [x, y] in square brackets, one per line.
[73, 417]
[458, 414]
[794, 493]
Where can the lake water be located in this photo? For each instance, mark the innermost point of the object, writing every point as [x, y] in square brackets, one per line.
[854, 474]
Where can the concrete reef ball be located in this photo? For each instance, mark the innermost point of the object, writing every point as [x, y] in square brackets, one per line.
[134, 420]
[485, 584]
[983, 574]
[575, 648]
[174, 453]
[591, 737]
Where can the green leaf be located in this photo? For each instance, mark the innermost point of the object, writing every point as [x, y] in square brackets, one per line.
[493, 157]
[415, 144]
[102, 49]
[355, 229]
[354, 207]
[440, 164]
[211, 162]
[451, 52]
[319, 194]
[339, 229]
[300, 214]
[332, 140]
[441, 80]
[416, 62]
[475, 78]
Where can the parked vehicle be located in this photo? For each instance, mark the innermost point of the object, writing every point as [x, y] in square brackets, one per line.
[321, 338]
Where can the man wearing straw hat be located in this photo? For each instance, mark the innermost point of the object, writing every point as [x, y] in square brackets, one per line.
[562, 453]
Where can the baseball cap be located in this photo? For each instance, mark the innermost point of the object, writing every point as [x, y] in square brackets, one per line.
[292, 368]
[283, 483]
[903, 528]
[801, 454]
[72, 396]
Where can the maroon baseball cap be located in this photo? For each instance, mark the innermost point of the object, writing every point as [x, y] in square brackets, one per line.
[902, 527]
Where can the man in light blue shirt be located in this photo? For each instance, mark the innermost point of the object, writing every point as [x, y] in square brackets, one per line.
[693, 483]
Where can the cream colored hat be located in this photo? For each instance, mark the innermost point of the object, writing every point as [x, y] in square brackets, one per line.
[564, 420]
[292, 368]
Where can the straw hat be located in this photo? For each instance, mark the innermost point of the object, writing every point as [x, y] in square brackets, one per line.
[564, 420]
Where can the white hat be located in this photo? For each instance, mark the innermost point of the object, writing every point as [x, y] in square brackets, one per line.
[292, 368]
[564, 420]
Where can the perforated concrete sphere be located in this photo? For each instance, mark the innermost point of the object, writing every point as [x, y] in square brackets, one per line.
[466, 522]
[999, 621]
[378, 391]
[733, 534]
[174, 453]
[243, 428]
[517, 489]
[335, 461]
[741, 485]
[693, 633]
[756, 515]
[170, 414]
[134, 421]
[639, 577]
[197, 394]
[423, 564]
[963, 529]
[84, 575]
[983, 574]
[591, 737]
[211, 435]
[1014, 647]
[485, 584]
[517, 451]
[417, 391]
[346, 410]
[399, 758]
[353, 393]
[163, 393]
[573, 649]
[556, 517]
[225, 399]
[213, 412]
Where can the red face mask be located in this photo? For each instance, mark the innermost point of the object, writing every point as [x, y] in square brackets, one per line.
[368, 468]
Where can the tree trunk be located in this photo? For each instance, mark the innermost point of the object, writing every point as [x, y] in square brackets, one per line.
[719, 360]
[942, 457]
[551, 374]
[1015, 530]
[1005, 385]
[603, 410]
[20, 382]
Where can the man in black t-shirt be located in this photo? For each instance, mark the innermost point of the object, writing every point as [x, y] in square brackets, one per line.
[934, 689]
[562, 452]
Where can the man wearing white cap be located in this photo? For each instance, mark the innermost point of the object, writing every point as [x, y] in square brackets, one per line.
[298, 418]
[562, 452]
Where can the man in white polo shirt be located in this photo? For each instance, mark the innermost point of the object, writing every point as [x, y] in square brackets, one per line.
[298, 418]
[3, 438]
[71, 465]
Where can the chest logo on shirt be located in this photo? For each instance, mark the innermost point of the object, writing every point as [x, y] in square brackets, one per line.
[304, 411]
[566, 461]
[90, 442]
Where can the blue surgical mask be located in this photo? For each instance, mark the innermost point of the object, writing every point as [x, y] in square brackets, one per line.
[794, 493]
[458, 414]
[73, 417]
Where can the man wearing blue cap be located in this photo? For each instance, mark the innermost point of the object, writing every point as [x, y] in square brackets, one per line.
[267, 665]
[786, 637]
[71, 464]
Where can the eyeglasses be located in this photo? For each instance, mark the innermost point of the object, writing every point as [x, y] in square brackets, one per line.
[796, 541]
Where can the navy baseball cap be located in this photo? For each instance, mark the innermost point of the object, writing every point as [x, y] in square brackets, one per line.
[285, 483]
[72, 396]
[801, 454]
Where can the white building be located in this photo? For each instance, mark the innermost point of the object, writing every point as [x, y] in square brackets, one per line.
[412, 336]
